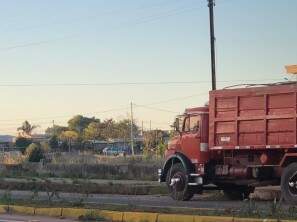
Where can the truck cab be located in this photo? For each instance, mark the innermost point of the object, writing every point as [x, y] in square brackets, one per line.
[187, 154]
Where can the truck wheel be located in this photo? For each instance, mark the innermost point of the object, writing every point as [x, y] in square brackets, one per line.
[289, 183]
[238, 192]
[177, 183]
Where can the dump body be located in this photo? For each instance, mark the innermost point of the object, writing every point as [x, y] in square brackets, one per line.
[253, 118]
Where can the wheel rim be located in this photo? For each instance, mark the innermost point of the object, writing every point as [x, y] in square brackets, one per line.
[177, 182]
[293, 184]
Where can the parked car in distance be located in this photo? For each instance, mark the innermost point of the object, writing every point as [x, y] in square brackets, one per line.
[116, 151]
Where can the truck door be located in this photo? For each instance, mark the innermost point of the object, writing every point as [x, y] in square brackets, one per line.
[190, 141]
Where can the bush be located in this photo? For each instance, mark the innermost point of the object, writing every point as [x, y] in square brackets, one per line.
[21, 143]
[53, 142]
[45, 147]
[34, 152]
[161, 149]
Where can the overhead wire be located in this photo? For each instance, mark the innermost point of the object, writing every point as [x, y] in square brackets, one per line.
[66, 116]
[144, 19]
[97, 15]
[154, 108]
[126, 83]
[106, 111]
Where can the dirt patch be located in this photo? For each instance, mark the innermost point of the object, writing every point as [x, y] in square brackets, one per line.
[266, 193]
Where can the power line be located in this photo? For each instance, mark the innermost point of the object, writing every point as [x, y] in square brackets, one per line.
[126, 83]
[104, 111]
[148, 106]
[158, 109]
[67, 116]
[76, 20]
[145, 19]
[158, 17]
[28, 44]
[176, 99]
[158, 123]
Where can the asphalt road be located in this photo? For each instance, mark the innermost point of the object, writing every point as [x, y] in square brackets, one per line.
[151, 201]
[21, 218]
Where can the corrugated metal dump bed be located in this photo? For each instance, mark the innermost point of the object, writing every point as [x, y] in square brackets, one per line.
[248, 118]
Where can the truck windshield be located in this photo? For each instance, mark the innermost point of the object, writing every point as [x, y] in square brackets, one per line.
[194, 123]
[179, 121]
[191, 124]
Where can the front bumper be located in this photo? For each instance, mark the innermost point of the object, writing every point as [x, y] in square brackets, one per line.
[194, 179]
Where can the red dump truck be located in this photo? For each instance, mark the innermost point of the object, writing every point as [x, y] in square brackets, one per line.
[245, 137]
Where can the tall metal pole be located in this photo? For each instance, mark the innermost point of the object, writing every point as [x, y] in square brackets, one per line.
[211, 5]
[132, 139]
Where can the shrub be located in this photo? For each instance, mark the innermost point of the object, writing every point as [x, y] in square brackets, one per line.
[53, 142]
[34, 152]
[45, 147]
[161, 147]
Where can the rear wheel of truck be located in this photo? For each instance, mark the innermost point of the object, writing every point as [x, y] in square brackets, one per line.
[238, 192]
[177, 183]
[289, 183]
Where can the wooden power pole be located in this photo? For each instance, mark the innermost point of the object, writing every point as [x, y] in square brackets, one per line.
[131, 132]
[211, 5]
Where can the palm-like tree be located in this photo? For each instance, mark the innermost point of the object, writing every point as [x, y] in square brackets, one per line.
[26, 129]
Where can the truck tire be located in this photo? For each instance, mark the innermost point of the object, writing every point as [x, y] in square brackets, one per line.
[238, 192]
[289, 183]
[177, 183]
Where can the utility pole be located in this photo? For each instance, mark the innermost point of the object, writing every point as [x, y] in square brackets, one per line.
[211, 5]
[150, 125]
[132, 136]
[141, 128]
[54, 130]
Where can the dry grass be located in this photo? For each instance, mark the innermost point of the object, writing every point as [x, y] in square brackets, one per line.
[83, 186]
[87, 158]
[11, 158]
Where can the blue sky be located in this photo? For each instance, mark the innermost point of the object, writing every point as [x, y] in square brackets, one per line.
[107, 41]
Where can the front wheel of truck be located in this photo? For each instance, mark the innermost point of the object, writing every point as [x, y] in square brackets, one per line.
[177, 183]
[289, 184]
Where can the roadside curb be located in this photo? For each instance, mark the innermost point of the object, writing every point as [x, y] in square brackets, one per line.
[118, 216]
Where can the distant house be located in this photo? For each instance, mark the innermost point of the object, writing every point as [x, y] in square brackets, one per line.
[6, 142]
[99, 145]
[38, 138]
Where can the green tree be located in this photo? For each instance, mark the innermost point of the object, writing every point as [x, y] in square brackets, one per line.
[94, 131]
[154, 142]
[78, 123]
[34, 152]
[123, 129]
[69, 136]
[110, 129]
[26, 129]
[21, 143]
[55, 130]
